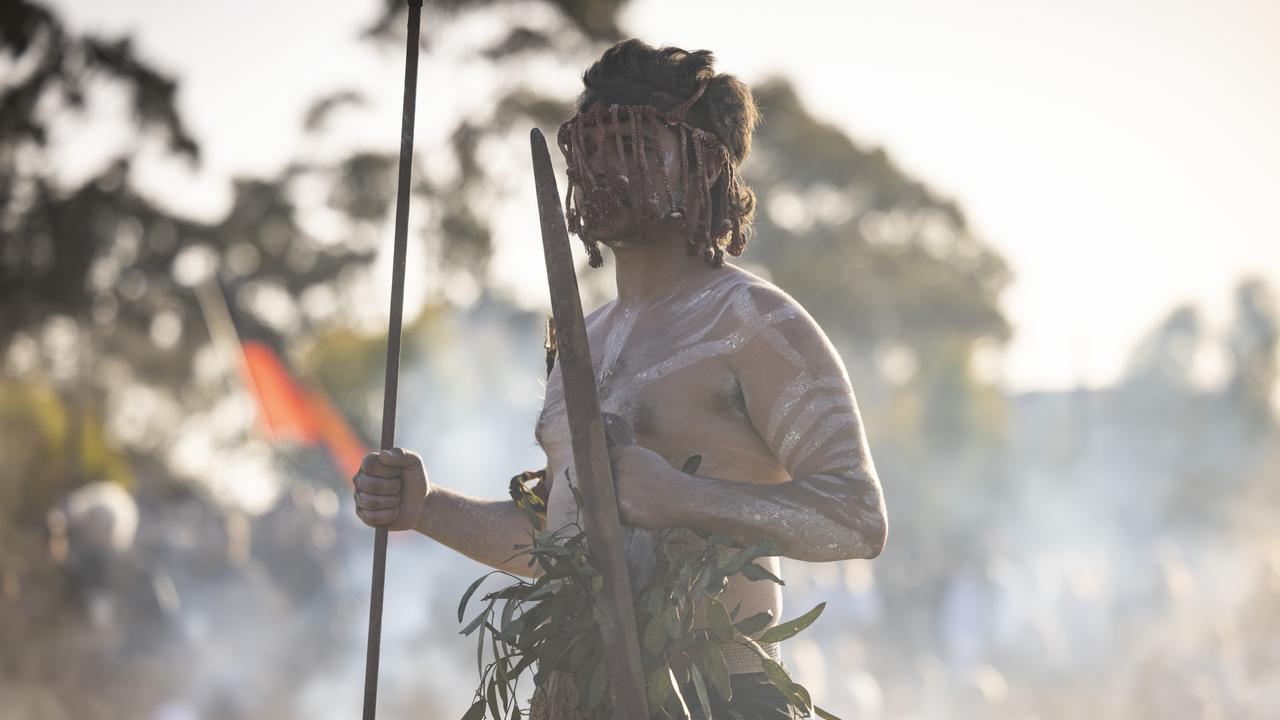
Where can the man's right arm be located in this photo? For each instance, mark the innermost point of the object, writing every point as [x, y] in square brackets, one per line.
[392, 491]
[486, 531]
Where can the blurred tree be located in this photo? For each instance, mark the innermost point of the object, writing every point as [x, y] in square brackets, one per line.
[1254, 345]
[1165, 359]
[45, 262]
[96, 279]
[37, 454]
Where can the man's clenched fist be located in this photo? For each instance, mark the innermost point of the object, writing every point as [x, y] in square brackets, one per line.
[391, 487]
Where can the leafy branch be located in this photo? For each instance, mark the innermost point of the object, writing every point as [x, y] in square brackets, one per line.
[548, 625]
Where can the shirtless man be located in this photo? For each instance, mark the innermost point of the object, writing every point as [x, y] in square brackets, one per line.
[699, 355]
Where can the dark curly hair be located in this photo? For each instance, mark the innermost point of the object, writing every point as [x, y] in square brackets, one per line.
[635, 73]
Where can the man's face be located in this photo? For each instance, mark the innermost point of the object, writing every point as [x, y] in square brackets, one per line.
[647, 161]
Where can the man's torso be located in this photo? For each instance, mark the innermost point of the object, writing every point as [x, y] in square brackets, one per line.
[666, 368]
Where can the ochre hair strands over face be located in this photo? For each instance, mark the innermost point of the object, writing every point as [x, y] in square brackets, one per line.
[701, 229]
[681, 208]
[591, 200]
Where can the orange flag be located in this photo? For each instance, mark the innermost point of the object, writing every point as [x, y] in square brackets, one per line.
[292, 412]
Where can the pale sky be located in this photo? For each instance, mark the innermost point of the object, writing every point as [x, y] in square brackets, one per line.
[1123, 157]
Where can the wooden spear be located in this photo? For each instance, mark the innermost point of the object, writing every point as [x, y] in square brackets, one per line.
[590, 452]
[393, 348]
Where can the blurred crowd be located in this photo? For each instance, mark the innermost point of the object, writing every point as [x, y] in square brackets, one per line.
[169, 605]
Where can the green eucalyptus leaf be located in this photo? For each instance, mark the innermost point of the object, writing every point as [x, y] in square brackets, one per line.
[713, 665]
[752, 571]
[519, 591]
[658, 687]
[777, 675]
[685, 576]
[508, 633]
[578, 655]
[541, 590]
[718, 622]
[493, 700]
[700, 687]
[534, 615]
[800, 696]
[558, 569]
[782, 631]
[595, 693]
[466, 596]
[824, 714]
[733, 564]
[508, 610]
[677, 696]
[471, 626]
[475, 712]
[655, 636]
[752, 645]
[671, 621]
[755, 623]
[500, 670]
[532, 635]
[683, 642]
[554, 649]
[717, 582]
[525, 662]
[497, 665]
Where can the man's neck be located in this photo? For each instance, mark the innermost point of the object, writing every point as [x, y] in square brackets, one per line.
[650, 271]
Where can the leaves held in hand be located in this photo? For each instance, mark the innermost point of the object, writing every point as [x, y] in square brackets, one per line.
[782, 631]
[716, 669]
[718, 622]
[753, 571]
[548, 624]
[755, 623]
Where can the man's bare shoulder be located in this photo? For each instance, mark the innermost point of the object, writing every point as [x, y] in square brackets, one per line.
[767, 297]
[766, 310]
[598, 312]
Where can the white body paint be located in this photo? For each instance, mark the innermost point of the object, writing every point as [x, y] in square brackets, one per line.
[670, 368]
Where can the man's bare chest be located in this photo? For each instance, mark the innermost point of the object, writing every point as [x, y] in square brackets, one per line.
[671, 380]
[669, 371]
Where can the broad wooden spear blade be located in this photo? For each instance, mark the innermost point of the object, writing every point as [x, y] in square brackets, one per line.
[590, 451]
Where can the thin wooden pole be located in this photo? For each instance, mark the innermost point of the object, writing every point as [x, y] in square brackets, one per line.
[393, 349]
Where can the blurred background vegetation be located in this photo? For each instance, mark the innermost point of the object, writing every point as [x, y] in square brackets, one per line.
[171, 547]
